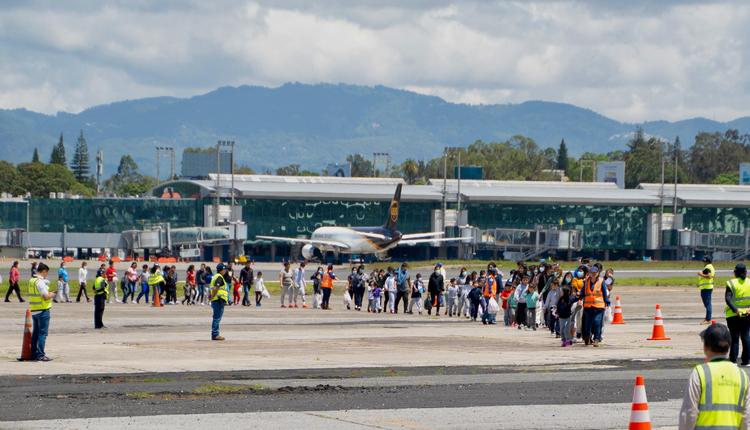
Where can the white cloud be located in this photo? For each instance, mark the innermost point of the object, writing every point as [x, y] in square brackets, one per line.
[633, 61]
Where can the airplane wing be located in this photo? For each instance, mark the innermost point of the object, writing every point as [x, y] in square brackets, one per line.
[421, 235]
[371, 235]
[429, 240]
[306, 241]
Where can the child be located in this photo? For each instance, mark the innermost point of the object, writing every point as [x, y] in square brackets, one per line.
[520, 300]
[564, 313]
[505, 297]
[417, 288]
[259, 288]
[532, 300]
[376, 293]
[237, 288]
[475, 296]
[463, 307]
[452, 298]
[550, 304]
[370, 298]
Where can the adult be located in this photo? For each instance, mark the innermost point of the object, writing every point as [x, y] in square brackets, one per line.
[359, 285]
[300, 284]
[402, 287]
[101, 293]
[716, 395]
[489, 291]
[595, 298]
[83, 273]
[327, 286]
[737, 298]
[40, 303]
[131, 279]
[111, 275]
[200, 279]
[286, 281]
[33, 268]
[63, 285]
[246, 279]
[13, 277]
[189, 288]
[219, 296]
[706, 286]
[435, 286]
[317, 278]
[156, 282]
[170, 285]
[143, 279]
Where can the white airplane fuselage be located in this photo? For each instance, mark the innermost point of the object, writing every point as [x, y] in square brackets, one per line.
[358, 243]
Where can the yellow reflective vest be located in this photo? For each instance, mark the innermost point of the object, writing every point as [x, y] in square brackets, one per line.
[155, 279]
[723, 395]
[101, 287]
[707, 283]
[221, 292]
[36, 301]
[741, 292]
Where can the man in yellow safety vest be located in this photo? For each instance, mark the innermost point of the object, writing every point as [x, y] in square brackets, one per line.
[101, 294]
[219, 296]
[40, 303]
[706, 286]
[716, 395]
[737, 298]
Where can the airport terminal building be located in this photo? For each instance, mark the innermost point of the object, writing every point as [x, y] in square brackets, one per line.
[219, 217]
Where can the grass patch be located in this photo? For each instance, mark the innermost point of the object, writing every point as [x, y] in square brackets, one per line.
[672, 281]
[140, 395]
[220, 389]
[156, 380]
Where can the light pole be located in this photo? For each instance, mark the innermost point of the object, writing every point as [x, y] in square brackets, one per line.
[227, 146]
[381, 158]
[457, 151]
[168, 150]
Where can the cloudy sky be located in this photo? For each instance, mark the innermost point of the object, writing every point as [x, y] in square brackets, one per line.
[631, 60]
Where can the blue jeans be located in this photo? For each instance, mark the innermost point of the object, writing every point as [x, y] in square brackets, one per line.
[592, 323]
[39, 335]
[144, 292]
[486, 315]
[706, 297]
[218, 307]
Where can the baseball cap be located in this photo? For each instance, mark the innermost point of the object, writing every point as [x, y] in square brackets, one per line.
[594, 269]
[717, 337]
[220, 267]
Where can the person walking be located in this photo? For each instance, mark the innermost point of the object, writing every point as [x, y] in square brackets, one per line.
[131, 279]
[246, 279]
[716, 393]
[189, 288]
[417, 288]
[359, 285]
[595, 298]
[286, 281]
[327, 287]
[489, 291]
[402, 287]
[300, 285]
[143, 281]
[111, 274]
[706, 286]
[13, 277]
[737, 298]
[101, 293]
[40, 303]
[63, 287]
[219, 296]
[156, 283]
[435, 286]
[83, 274]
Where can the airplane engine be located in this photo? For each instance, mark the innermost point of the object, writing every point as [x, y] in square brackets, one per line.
[308, 251]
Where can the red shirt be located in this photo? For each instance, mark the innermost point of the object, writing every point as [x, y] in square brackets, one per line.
[190, 278]
[14, 275]
[111, 273]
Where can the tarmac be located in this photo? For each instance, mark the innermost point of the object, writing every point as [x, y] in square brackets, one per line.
[292, 367]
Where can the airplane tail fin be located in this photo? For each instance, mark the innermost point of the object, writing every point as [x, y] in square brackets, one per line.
[392, 220]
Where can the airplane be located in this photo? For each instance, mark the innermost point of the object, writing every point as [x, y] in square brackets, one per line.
[362, 240]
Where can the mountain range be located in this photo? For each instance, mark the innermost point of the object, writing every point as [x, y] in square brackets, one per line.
[313, 125]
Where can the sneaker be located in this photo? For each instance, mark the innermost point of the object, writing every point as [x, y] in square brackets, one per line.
[283, 306]
[45, 358]
[595, 344]
[304, 306]
[217, 338]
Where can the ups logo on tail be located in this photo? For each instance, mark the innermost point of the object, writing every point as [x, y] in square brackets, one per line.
[394, 211]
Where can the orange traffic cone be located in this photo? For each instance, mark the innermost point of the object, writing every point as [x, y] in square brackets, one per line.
[639, 416]
[617, 318]
[658, 331]
[156, 302]
[26, 345]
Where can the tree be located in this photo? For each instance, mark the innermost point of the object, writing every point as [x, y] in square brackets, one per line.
[643, 159]
[715, 153]
[10, 179]
[562, 157]
[128, 180]
[290, 170]
[409, 170]
[80, 162]
[35, 157]
[58, 153]
[361, 167]
[42, 179]
[244, 170]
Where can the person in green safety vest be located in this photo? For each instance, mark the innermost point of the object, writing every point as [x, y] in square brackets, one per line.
[716, 395]
[101, 294]
[40, 303]
[219, 296]
[737, 311]
[706, 286]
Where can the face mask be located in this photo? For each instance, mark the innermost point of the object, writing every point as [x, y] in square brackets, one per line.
[609, 281]
[437, 271]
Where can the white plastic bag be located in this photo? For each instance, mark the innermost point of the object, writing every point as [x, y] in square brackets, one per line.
[608, 315]
[492, 307]
[347, 299]
[266, 294]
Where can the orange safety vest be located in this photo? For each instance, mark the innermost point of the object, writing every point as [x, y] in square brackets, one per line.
[490, 288]
[327, 281]
[593, 296]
